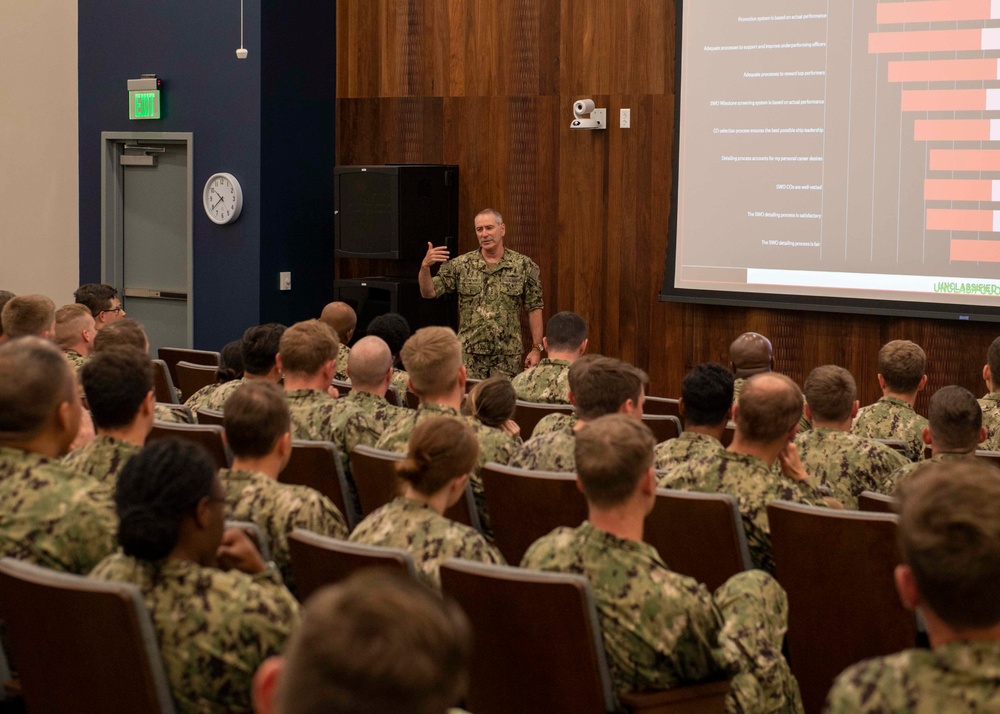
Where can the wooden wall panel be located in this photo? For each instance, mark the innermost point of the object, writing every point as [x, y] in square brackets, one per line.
[489, 85]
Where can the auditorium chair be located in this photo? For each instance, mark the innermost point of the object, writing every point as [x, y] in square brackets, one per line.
[663, 426]
[662, 405]
[209, 416]
[871, 502]
[528, 414]
[727, 436]
[343, 388]
[163, 383]
[191, 377]
[83, 646]
[172, 355]
[990, 457]
[317, 464]
[470, 382]
[895, 444]
[207, 435]
[319, 560]
[412, 400]
[256, 534]
[837, 568]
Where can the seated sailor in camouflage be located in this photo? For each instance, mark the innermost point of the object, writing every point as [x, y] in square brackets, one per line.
[706, 405]
[493, 403]
[376, 642]
[953, 432]
[565, 342]
[833, 457]
[214, 626]
[598, 386]
[949, 537]
[901, 375]
[230, 368]
[990, 404]
[558, 421]
[342, 318]
[492, 283]
[308, 359]
[29, 316]
[433, 357]
[257, 427]
[394, 331]
[260, 351]
[441, 454]
[767, 418]
[102, 301]
[52, 516]
[751, 354]
[119, 387]
[75, 333]
[662, 629]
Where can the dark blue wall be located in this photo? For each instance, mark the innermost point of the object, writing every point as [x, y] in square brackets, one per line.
[268, 120]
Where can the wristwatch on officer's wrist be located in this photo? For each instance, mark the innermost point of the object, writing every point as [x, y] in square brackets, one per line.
[540, 347]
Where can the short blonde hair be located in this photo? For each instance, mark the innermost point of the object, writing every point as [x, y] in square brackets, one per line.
[27, 315]
[432, 357]
[306, 346]
[70, 322]
[612, 453]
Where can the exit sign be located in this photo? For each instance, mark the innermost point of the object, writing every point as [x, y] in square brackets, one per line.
[144, 104]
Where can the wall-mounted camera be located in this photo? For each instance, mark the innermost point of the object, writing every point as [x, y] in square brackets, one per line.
[587, 116]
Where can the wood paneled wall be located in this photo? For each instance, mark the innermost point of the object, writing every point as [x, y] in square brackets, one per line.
[490, 84]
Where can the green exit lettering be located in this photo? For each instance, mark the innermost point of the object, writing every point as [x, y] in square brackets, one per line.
[144, 105]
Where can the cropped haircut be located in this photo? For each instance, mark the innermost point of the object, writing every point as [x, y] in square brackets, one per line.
[70, 322]
[255, 417]
[830, 392]
[5, 297]
[492, 401]
[993, 360]
[902, 365]
[260, 347]
[600, 385]
[156, 490]
[116, 382]
[496, 215]
[27, 315]
[392, 328]
[769, 405]
[35, 379]
[307, 346]
[612, 453]
[368, 362]
[96, 296]
[432, 357]
[230, 362]
[708, 394]
[565, 331]
[440, 449]
[955, 419]
[377, 642]
[122, 333]
[949, 535]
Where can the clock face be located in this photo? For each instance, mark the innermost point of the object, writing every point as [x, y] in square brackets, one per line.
[223, 198]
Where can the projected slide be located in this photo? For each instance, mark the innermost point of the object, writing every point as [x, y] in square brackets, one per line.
[840, 148]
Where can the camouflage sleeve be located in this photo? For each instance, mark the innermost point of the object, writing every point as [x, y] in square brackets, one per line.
[446, 281]
[856, 690]
[88, 532]
[269, 614]
[533, 288]
[319, 515]
[360, 428]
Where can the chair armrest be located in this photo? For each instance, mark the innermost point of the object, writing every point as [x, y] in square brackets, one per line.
[702, 697]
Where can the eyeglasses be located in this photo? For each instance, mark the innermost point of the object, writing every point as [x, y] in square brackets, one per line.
[115, 310]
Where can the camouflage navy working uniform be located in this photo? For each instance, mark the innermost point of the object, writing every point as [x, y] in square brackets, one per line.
[202, 398]
[553, 451]
[686, 447]
[892, 481]
[75, 359]
[161, 412]
[892, 418]
[845, 463]
[427, 536]
[990, 404]
[753, 484]
[554, 422]
[662, 629]
[489, 306]
[804, 423]
[545, 383]
[221, 394]
[102, 459]
[52, 516]
[343, 352]
[278, 509]
[214, 627]
[954, 678]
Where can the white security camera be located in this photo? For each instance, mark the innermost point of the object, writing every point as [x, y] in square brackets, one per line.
[597, 118]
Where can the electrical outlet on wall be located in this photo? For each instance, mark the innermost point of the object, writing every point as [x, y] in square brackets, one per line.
[626, 119]
[285, 281]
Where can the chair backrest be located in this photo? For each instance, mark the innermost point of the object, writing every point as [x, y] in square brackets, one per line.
[991, 457]
[701, 698]
[317, 464]
[209, 416]
[528, 414]
[699, 534]
[163, 383]
[662, 405]
[208, 435]
[727, 435]
[172, 355]
[895, 444]
[319, 560]
[538, 644]
[872, 502]
[77, 642]
[392, 397]
[471, 382]
[837, 568]
[663, 426]
[525, 505]
[257, 535]
[412, 400]
[191, 377]
[343, 388]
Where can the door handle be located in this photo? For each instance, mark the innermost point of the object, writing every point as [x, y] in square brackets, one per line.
[155, 294]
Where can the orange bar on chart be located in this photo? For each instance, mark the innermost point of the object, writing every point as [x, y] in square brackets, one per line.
[943, 70]
[964, 160]
[957, 190]
[951, 130]
[982, 251]
[934, 11]
[944, 100]
[925, 41]
[953, 219]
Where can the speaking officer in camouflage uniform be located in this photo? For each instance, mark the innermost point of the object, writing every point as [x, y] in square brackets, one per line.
[767, 418]
[953, 432]
[565, 342]
[662, 629]
[119, 388]
[75, 333]
[949, 536]
[257, 426]
[832, 456]
[901, 374]
[990, 404]
[441, 454]
[598, 386]
[493, 283]
[706, 405]
[343, 319]
[51, 516]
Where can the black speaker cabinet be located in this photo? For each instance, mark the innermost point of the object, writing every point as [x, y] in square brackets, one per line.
[392, 211]
[371, 297]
